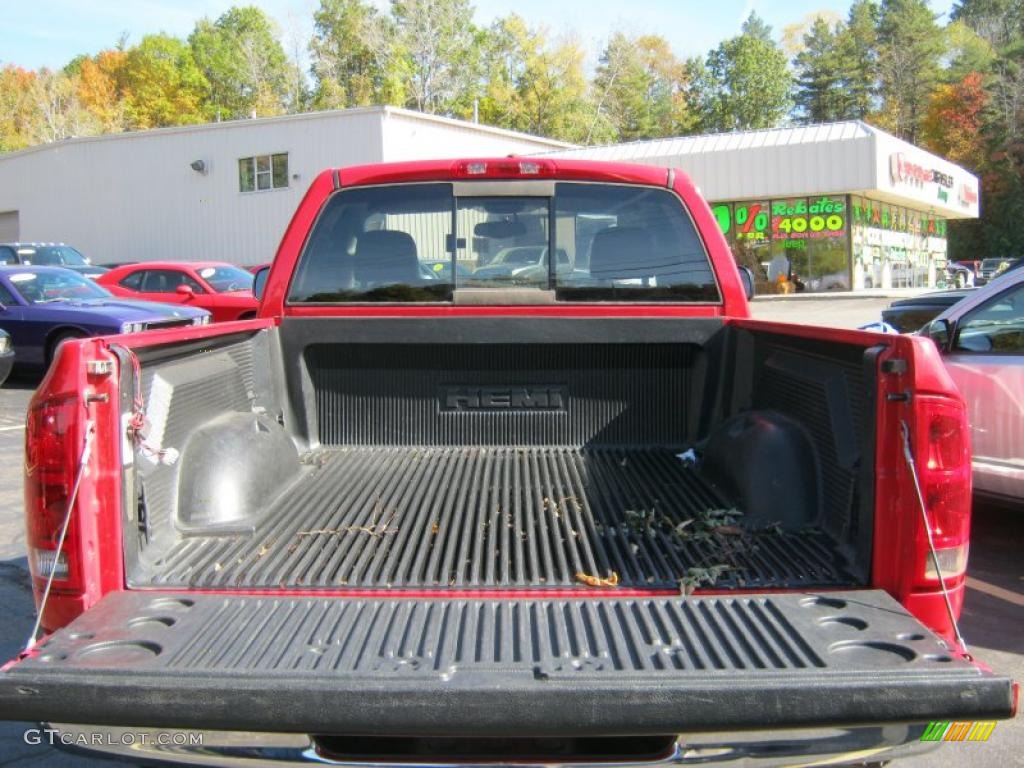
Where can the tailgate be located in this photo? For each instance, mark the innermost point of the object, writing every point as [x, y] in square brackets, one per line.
[460, 666]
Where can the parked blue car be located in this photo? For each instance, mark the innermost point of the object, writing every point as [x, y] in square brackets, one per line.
[6, 356]
[40, 307]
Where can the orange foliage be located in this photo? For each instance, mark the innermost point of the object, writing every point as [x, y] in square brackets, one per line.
[953, 125]
[101, 88]
[16, 107]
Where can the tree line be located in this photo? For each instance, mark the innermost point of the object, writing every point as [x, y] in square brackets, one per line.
[957, 88]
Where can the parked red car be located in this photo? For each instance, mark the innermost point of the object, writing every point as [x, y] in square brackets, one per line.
[223, 289]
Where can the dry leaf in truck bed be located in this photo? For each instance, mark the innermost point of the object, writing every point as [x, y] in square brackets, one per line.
[598, 581]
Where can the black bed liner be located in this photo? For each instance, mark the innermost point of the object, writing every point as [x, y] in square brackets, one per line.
[452, 666]
[472, 517]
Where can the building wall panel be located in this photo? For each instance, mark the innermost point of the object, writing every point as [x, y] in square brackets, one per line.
[134, 197]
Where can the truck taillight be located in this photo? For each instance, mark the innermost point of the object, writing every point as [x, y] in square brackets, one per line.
[943, 461]
[52, 445]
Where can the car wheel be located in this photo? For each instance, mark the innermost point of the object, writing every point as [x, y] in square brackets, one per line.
[54, 343]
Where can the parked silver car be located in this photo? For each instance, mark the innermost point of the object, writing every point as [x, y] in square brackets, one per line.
[982, 342]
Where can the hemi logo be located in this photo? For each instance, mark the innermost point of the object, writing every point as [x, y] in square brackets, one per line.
[532, 397]
[978, 730]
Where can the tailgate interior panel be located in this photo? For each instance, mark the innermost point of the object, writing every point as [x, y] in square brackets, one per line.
[497, 667]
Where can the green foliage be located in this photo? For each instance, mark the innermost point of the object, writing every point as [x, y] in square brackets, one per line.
[436, 54]
[744, 84]
[349, 51]
[243, 62]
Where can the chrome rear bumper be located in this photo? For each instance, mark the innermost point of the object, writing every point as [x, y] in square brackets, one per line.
[827, 746]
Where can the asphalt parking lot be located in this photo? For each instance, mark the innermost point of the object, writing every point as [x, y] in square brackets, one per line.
[993, 621]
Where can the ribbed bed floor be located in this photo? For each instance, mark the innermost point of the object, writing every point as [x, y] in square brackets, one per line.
[498, 517]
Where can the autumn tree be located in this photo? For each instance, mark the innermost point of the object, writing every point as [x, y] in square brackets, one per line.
[641, 86]
[242, 60]
[163, 84]
[17, 112]
[58, 112]
[537, 85]
[350, 56]
[954, 124]
[101, 89]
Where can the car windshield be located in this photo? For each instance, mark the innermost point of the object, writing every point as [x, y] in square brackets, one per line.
[422, 242]
[227, 278]
[56, 286]
[52, 256]
[991, 263]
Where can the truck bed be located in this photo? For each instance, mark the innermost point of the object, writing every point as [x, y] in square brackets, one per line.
[325, 457]
[500, 517]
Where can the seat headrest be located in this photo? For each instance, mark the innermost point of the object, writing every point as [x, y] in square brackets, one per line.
[621, 253]
[386, 256]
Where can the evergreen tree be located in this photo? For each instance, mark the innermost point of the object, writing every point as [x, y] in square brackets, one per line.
[909, 46]
[757, 28]
[820, 95]
[857, 59]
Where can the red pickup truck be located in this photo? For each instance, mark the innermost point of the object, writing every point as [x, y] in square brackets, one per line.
[451, 499]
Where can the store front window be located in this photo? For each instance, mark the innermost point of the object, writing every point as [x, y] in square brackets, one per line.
[895, 247]
[793, 245]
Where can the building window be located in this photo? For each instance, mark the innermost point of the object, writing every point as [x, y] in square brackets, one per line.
[263, 172]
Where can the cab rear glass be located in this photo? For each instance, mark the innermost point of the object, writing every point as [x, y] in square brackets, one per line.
[420, 243]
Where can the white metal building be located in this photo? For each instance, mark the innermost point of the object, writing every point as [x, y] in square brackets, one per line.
[842, 204]
[835, 206]
[223, 191]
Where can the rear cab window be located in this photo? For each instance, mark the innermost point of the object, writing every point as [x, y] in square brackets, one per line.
[421, 243]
